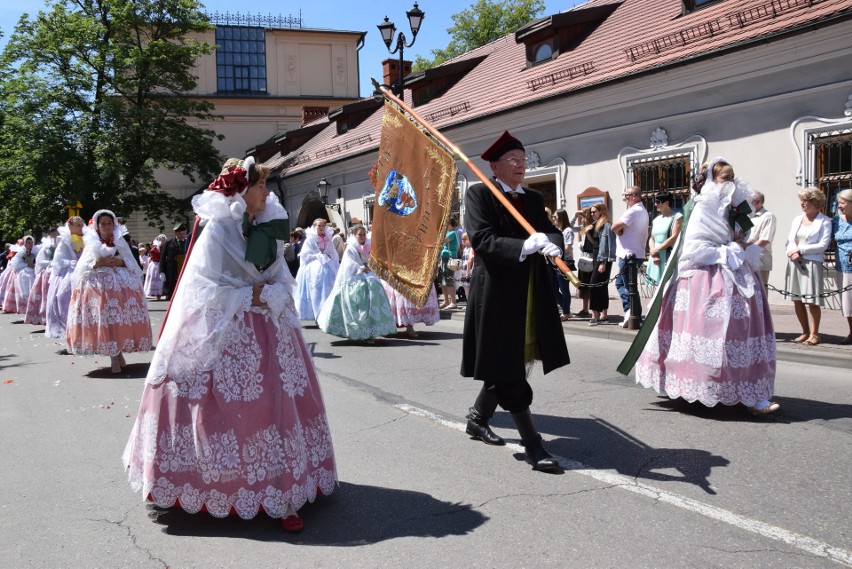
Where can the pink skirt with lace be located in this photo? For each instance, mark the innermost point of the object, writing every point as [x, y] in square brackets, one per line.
[18, 290]
[108, 314]
[711, 344]
[37, 301]
[406, 314]
[11, 294]
[6, 277]
[249, 435]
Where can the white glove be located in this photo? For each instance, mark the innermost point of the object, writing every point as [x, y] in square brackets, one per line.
[551, 250]
[533, 243]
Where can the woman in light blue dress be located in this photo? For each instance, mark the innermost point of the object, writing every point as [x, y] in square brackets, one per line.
[318, 267]
[358, 307]
[664, 231]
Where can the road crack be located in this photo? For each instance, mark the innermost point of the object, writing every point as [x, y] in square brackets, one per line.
[133, 539]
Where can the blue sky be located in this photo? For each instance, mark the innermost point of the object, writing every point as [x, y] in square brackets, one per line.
[337, 15]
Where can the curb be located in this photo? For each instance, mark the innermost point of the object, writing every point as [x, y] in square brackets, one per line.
[786, 351]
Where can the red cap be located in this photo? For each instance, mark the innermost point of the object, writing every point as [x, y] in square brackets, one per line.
[501, 146]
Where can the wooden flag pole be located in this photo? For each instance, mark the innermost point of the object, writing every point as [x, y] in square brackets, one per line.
[478, 173]
[193, 237]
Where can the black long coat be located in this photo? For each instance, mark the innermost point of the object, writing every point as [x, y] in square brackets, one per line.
[494, 326]
[169, 265]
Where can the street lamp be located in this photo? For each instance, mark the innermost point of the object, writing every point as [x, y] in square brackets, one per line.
[323, 186]
[387, 29]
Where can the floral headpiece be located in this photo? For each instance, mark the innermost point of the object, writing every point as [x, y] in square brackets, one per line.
[233, 180]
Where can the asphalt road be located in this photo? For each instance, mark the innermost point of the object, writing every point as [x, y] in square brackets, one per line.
[648, 482]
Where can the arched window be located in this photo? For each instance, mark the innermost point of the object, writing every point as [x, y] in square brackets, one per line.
[542, 52]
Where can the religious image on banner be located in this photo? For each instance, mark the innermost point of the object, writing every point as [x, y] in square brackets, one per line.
[397, 195]
[417, 183]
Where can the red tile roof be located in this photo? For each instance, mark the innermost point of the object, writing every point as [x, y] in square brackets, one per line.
[639, 36]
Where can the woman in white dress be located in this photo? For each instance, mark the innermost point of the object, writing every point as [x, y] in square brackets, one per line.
[318, 267]
[69, 248]
[37, 301]
[153, 281]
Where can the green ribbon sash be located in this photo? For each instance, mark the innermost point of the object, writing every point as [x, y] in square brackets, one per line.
[739, 215]
[261, 246]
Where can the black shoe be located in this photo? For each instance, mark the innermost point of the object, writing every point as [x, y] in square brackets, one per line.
[539, 458]
[477, 427]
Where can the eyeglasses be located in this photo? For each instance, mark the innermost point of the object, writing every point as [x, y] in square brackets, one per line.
[516, 161]
[625, 196]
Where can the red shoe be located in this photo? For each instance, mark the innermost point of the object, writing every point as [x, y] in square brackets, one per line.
[292, 524]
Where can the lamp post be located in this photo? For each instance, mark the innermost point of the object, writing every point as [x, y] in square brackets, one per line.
[387, 29]
[323, 186]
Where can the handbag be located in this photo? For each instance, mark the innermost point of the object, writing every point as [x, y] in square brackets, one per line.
[585, 263]
[454, 264]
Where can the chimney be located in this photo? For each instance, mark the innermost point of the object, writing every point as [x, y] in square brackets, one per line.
[390, 70]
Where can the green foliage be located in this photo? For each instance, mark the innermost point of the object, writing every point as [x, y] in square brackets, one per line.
[483, 22]
[92, 102]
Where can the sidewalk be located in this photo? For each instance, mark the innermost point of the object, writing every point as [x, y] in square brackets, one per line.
[833, 328]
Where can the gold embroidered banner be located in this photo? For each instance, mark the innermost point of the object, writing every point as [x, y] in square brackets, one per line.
[416, 185]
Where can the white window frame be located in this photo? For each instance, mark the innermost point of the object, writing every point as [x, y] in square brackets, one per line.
[806, 176]
[805, 127]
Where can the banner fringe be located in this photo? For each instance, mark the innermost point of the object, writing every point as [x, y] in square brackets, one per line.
[402, 288]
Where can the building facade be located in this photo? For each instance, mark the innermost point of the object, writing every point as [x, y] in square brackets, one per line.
[265, 77]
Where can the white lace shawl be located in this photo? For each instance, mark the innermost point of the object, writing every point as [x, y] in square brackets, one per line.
[64, 257]
[216, 289]
[709, 239]
[18, 262]
[319, 249]
[95, 250]
[42, 261]
[355, 257]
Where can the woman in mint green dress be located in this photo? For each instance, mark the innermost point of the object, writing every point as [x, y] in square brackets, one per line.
[664, 231]
[358, 307]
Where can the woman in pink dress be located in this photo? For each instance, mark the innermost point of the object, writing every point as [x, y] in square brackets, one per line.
[69, 248]
[107, 314]
[232, 419]
[21, 271]
[714, 341]
[6, 275]
[37, 301]
[407, 314]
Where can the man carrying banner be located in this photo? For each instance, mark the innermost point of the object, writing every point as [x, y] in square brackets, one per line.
[511, 318]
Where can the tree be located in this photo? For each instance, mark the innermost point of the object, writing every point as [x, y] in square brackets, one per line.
[94, 99]
[484, 22]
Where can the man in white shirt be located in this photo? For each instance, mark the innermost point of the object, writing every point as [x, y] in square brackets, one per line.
[631, 232]
[762, 234]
